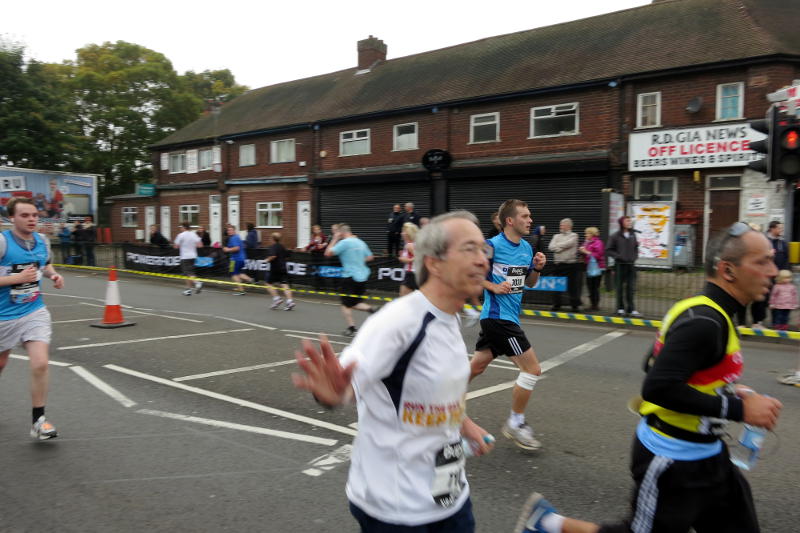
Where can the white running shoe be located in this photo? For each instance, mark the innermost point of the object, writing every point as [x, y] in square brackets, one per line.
[471, 316]
[276, 302]
[289, 305]
[198, 287]
[187, 292]
[43, 430]
[793, 379]
[635, 313]
[522, 436]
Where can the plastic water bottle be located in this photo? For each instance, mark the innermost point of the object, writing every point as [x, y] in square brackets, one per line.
[470, 445]
[744, 453]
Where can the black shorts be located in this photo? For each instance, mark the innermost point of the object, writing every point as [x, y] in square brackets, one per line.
[278, 277]
[503, 337]
[410, 281]
[187, 267]
[350, 286]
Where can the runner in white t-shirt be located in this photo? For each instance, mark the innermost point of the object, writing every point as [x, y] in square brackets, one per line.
[408, 369]
[187, 242]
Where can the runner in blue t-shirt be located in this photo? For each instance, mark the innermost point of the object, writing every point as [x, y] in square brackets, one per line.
[513, 266]
[353, 253]
[235, 247]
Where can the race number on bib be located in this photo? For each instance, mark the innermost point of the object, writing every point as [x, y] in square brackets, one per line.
[516, 277]
[24, 293]
[448, 474]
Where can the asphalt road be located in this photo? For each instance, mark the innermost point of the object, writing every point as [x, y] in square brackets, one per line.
[188, 421]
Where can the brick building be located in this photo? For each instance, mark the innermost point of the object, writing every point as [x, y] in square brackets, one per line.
[637, 101]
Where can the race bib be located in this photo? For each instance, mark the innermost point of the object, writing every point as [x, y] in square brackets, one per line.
[516, 277]
[24, 293]
[448, 474]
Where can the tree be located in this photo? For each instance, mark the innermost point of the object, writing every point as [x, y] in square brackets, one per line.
[213, 85]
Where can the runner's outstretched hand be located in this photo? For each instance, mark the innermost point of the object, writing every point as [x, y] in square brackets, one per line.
[324, 377]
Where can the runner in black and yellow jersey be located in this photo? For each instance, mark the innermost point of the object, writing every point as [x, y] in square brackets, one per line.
[683, 474]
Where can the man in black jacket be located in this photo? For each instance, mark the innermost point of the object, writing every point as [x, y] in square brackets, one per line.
[156, 238]
[624, 249]
[410, 215]
[394, 227]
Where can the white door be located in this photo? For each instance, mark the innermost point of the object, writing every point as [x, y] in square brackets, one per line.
[233, 212]
[303, 223]
[149, 218]
[166, 227]
[215, 216]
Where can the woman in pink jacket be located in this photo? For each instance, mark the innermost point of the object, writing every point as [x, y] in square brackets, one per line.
[593, 248]
[782, 300]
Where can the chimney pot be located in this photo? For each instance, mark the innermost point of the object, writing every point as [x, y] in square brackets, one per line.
[370, 51]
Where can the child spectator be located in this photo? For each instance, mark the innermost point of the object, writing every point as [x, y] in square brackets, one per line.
[782, 300]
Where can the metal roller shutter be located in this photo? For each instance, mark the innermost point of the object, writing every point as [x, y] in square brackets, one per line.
[367, 207]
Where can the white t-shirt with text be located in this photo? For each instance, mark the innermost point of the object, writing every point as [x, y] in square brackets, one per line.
[187, 242]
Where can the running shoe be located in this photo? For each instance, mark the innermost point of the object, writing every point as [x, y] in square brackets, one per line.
[522, 436]
[198, 287]
[43, 430]
[534, 511]
[635, 313]
[350, 331]
[289, 305]
[471, 317]
[238, 293]
[187, 292]
[793, 379]
[276, 302]
[621, 312]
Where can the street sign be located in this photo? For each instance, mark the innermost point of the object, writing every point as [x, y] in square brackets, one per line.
[437, 160]
[146, 189]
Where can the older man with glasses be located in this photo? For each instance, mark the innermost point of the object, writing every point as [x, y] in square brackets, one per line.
[682, 470]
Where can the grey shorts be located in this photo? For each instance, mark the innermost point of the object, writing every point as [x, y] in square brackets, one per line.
[33, 327]
[187, 267]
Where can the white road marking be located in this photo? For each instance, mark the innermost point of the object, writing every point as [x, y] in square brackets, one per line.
[95, 319]
[235, 401]
[553, 362]
[313, 332]
[72, 296]
[103, 386]
[235, 370]
[246, 323]
[326, 462]
[132, 310]
[314, 339]
[25, 357]
[154, 339]
[240, 427]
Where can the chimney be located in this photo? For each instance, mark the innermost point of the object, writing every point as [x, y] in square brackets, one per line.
[370, 51]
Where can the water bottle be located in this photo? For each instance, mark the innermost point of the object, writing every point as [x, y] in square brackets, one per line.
[470, 445]
[744, 453]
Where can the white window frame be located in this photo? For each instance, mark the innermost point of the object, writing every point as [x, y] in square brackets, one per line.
[12, 183]
[640, 110]
[130, 217]
[740, 96]
[352, 134]
[188, 212]
[269, 208]
[575, 107]
[472, 125]
[181, 167]
[655, 180]
[395, 137]
[207, 154]
[242, 148]
[273, 151]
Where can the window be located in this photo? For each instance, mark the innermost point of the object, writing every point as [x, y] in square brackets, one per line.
[648, 110]
[730, 100]
[189, 214]
[655, 189]
[129, 217]
[555, 120]
[269, 214]
[247, 155]
[484, 128]
[206, 159]
[405, 136]
[177, 163]
[282, 151]
[12, 183]
[725, 182]
[354, 142]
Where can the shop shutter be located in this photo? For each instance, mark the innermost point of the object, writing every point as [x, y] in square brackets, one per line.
[367, 207]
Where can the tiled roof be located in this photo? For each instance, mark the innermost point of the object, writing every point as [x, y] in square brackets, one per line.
[665, 35]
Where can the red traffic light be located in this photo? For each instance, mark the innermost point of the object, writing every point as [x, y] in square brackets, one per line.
[791, 140]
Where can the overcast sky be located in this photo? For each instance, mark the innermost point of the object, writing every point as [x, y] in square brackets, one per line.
[270, 41]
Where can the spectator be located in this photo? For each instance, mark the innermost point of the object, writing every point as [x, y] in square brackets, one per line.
[782, 300]
[623, 247]
[758, 310]
[77, 242]
[278, 275]
[781, 257]
[235, 247]
[410, 215]
[251, 241]
[393, 228]
[593, 251]
[55, 205]
[409, 283]
[424, 221]
[318, 242]
[564, 246]
[88, 240]
[65, 242]
[496, 226]
[156, 238]
[354, 254]
[536, 238]
[205, 238]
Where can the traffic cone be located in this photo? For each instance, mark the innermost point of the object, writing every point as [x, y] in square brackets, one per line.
[112, 318]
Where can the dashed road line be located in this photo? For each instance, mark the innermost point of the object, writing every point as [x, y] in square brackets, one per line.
[132, 341]
[329, 461]
[314, 339]
[246, 323]
[313, 333]
[25, 358]
[235, 370]
[132, 310]
[103, 386]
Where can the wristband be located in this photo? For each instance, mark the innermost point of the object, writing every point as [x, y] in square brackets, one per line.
[539, 270]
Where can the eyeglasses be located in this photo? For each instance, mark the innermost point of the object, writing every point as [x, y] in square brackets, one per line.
[735, 231]
[474, 249]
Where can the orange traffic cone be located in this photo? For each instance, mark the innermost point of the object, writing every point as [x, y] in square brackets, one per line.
[112, 318]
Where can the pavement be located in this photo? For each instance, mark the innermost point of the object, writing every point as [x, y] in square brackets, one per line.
[188, 421]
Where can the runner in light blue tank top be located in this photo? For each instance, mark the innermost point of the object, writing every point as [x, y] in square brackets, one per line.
[510, 262]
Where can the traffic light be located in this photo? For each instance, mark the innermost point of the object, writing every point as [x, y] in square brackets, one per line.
[786, 161]
[764, 146]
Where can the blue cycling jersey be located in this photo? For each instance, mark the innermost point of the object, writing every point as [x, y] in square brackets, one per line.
[511, 262]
